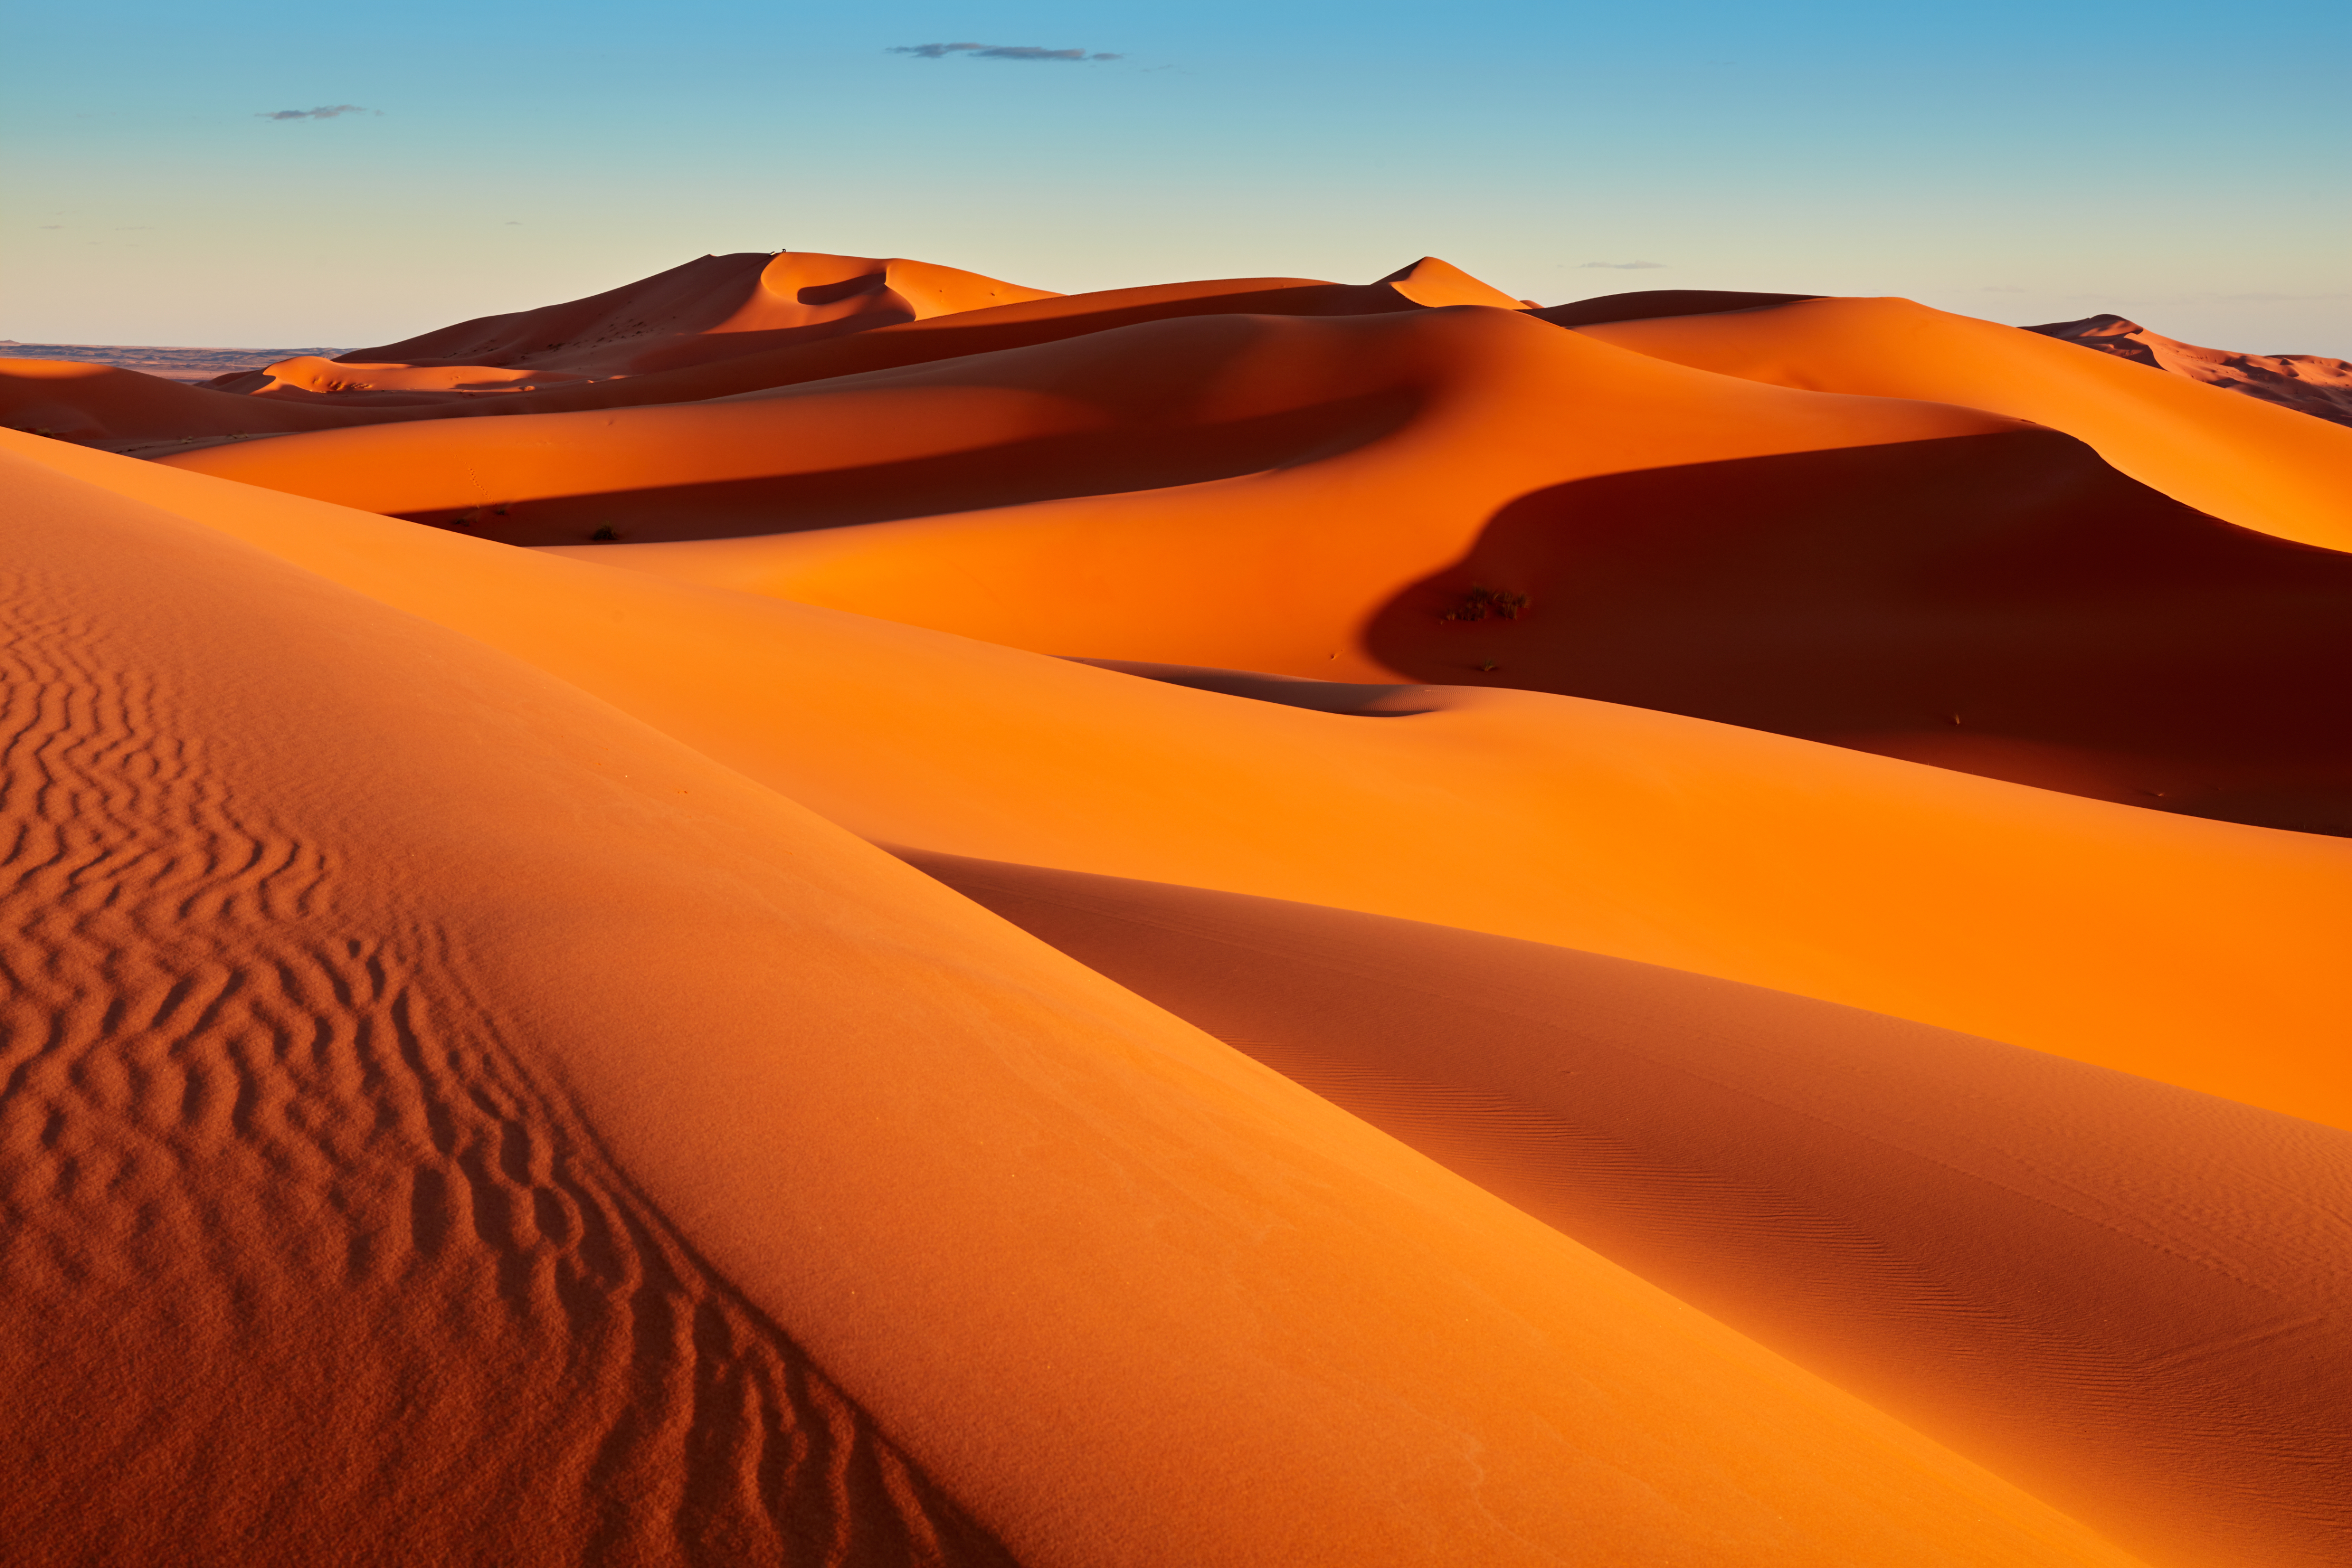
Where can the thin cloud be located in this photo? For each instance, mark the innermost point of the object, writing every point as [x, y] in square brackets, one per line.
[1622, 265]
[324, 112]
[2001, 289]
[995, 52]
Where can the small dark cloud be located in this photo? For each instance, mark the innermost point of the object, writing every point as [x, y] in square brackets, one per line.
[995, 52]
[324, 112]
[1622, 265]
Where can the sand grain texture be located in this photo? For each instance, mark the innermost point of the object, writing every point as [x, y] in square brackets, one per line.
[2129, 1297]
[1039, 1235]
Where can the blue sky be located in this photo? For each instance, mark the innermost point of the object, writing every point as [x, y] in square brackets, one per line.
[2183, 164]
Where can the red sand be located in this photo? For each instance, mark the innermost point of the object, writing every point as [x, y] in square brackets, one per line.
[475, 1060]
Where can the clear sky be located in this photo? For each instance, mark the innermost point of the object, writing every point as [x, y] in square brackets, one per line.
[2188, 165]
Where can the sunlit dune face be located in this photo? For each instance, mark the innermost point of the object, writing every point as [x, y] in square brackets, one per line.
[825, 907]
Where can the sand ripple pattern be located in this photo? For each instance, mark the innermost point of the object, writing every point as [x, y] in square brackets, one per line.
[298, 1263]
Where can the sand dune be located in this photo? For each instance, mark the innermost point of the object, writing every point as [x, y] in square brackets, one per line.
[296, 930]
[706, 310]
[129, 415]
[2197, 953]
[2237, 458]
[1250, 921]
[168, 363]
[1685, 542]
[2132, 1298]
[2304, 382]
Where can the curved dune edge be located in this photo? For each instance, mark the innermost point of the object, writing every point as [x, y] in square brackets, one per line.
[713, 308]
[1325, 497]
[2200, 954]
[1501, 405]
[2128, 1298]
[1051, 1236]
[125, 411]
[2260, 466]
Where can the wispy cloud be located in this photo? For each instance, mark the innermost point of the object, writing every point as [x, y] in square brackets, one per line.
[325, 111]
[2001, 289]
[995, 52]
[1622, 265]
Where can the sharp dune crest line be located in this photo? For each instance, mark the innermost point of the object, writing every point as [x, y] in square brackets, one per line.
[823, 909]
[350, 1001]
[2198, 953]
[269, 1171]
[1998, 1244]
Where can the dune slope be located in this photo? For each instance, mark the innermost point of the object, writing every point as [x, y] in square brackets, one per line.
[280, 844]
[2308, 383]
[1320, 496]
[2129, 1298]
[146, 415]
[2236, 458]
[2202, 954]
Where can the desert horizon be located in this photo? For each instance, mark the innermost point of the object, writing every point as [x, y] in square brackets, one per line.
[1109, 787]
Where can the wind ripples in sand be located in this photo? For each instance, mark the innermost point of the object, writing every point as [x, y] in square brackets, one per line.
[301, 1263]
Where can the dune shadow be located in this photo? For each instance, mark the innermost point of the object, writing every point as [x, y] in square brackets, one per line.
[2005, 603]
[1144, 455]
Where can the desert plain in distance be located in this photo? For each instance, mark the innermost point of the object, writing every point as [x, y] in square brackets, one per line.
[825, 909]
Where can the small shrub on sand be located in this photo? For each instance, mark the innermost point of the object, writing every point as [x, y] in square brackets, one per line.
[1481, 602]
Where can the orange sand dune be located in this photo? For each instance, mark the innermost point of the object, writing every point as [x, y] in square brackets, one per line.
[2304, 382]
[2201, 954]
[97, 404]
[1915, 579]
[706, 310]
[2238, 459]
[1499, 404]
[109, 414]
[309, 378]
[1643, 303]
[2128, 1296]
[383, 1004]
[711, 309]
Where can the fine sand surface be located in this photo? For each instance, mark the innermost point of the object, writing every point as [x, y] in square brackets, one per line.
[2308, 383]
[2203, 954]
[2240, 459]
[390, 1016]
[142, 414]
[824, 909]
[2131, 1297]
[1912, 579]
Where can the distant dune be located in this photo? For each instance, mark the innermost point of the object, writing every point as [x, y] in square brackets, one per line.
[169, 364]
[823, 908]
[2304, 382]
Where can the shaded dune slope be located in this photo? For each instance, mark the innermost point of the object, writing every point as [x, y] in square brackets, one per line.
[1641, 304]
[129, 412]
[2197, 953]
[2237, 458]
[2005, 604]
[1907, 578]
[317, 896]
[2129, 1298]
[715, 307]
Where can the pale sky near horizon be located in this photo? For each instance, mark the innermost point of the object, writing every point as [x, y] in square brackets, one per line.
[2184, 165]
